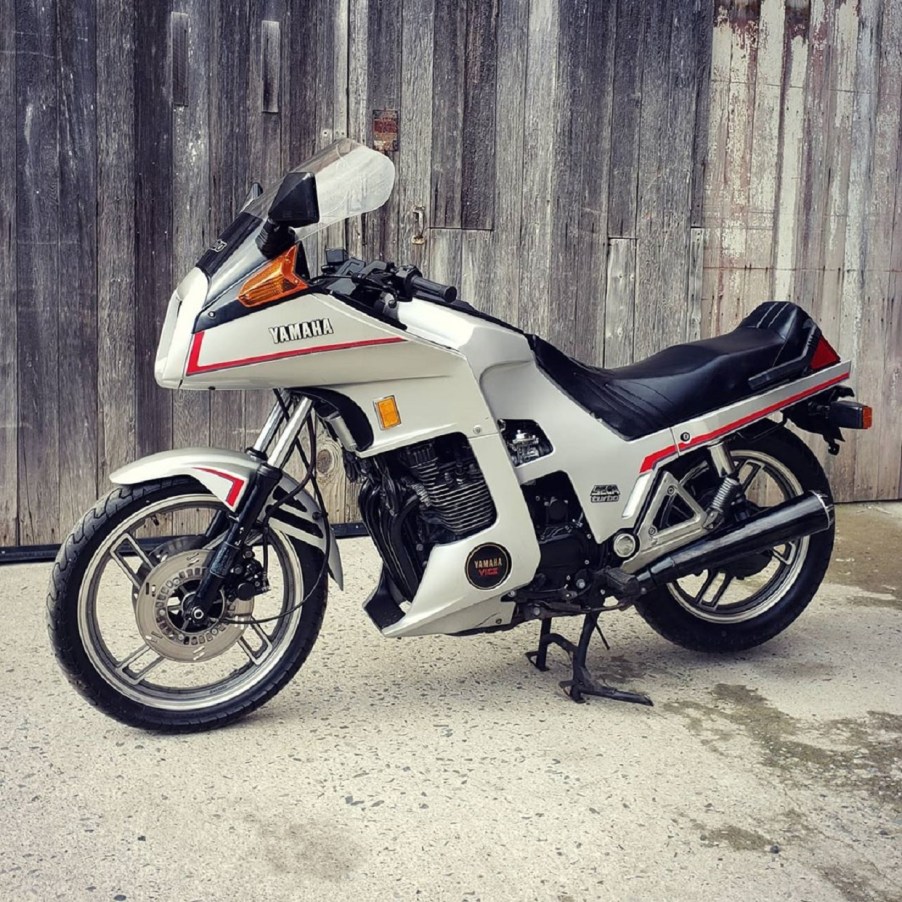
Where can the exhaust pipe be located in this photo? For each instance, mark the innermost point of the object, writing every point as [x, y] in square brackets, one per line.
[794, 519]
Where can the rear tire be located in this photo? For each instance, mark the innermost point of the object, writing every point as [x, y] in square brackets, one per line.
[92, 610]
[670, 612]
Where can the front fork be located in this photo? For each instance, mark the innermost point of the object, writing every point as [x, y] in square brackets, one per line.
[271, 454]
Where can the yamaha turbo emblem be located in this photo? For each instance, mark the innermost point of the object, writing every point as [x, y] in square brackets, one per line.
[311, 328]
[488, 566]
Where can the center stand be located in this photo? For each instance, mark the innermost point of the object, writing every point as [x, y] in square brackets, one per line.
[581, 683]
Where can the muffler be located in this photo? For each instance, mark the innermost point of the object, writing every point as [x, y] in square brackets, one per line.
[794, 519]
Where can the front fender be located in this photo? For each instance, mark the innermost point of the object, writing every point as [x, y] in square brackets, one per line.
[227, 474]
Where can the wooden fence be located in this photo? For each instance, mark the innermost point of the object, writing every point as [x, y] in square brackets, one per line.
[615, 175]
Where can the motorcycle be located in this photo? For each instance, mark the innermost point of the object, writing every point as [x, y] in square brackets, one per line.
[501, 481]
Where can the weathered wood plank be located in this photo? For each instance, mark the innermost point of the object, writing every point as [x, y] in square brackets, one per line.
[617, 315]
[873, 478]
[383, 93]
[77, 279]
[115, 236]
[9, 399]
[449, 52]
[513, 20]
[229, 54]
[702, 56]
[580, 217]
[414, 158]
[271, 64]
[537, 183]
[178, 27]
[626, 104]
[444, 256]
[477, 166]
[37, 268]
[696, 281]
[842, 469]
[665, 166]
[191, 229]
[153, 219]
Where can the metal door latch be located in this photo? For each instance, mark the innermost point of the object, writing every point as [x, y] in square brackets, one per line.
[419, 218]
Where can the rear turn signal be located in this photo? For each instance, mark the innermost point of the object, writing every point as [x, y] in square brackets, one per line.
[272, 283]
[824, 355]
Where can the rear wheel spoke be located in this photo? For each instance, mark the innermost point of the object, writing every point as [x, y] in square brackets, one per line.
[712, 603]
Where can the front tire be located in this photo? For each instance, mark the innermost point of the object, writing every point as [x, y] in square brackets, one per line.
[791, 574]
[115, 621]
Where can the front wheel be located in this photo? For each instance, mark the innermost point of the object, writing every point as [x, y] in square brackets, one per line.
[755, 598]
[122, 582]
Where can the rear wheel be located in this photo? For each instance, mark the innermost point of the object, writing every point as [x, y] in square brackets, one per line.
[121, 583]
[757, 597]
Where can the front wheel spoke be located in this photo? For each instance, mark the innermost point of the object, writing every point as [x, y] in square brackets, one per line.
[712, 603]
[116, 555]
[256, 655]
[125, 670]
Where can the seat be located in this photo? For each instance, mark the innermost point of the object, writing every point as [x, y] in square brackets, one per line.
[687, 380]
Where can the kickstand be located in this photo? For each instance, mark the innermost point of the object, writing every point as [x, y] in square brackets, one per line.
[581, 684]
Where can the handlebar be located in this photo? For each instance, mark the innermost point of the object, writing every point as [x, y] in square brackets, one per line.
[414, 284]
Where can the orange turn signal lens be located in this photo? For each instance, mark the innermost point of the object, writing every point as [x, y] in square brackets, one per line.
[867, 417]
[387, 411]
[272, 283]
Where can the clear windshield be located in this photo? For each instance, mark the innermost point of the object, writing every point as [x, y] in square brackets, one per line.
[351, 179]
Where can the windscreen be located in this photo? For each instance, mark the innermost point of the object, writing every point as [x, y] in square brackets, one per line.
[351, 179]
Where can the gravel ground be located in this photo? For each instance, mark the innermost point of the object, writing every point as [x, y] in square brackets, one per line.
[443, 768]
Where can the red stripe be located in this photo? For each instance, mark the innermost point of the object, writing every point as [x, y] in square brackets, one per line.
[652, 460]
[195, 366]
[237, 483]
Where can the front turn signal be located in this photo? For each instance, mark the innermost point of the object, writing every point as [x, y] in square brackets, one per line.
[275, 281]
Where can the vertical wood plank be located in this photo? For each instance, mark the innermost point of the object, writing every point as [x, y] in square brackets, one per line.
[696, 280]
[477, 166]
[620, 302]
[665, 166]
[191, 232]
[153, 219]
[449, 52]
[37, 268]
[863, 136]
[580, 215]
[510, 99]
[271, 64]
[229, 54]
[178, 24]
[383, 93]
[702, 54]
[626, 106]
[537, 183]
[414, 160]
[872, 477]
[77, 279]
[115, 235]
[9, 428]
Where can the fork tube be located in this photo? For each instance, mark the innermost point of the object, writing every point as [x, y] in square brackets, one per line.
[282, 449]
[273, 421]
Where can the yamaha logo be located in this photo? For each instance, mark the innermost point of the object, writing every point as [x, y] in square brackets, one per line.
[311, 328]
[488, 566]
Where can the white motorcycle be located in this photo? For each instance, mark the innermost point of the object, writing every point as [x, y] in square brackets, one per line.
[501, 480]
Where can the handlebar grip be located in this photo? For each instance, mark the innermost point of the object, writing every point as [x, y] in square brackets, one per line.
[446, 293]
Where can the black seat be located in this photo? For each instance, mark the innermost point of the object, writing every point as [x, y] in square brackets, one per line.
[686, 380]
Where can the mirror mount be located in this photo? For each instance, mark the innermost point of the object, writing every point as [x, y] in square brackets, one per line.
[294, 205]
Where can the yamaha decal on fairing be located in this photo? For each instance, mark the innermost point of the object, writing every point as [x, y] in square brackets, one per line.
[488, 566]
[605, 493]
[311, 328]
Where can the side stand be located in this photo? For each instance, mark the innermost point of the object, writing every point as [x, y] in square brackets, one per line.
[581, 683]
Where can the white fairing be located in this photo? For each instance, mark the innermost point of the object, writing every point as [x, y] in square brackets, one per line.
[451, 373]
[448, 371]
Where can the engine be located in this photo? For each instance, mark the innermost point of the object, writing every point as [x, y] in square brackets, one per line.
[568, 551]
[421, 496]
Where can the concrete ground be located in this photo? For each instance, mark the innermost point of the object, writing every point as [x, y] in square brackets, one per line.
[442, 768]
